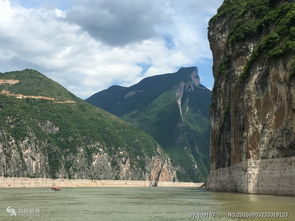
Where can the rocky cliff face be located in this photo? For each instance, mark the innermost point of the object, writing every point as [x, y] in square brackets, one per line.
[173, 109]
[43, 134]
[29, 158]
[253, 104]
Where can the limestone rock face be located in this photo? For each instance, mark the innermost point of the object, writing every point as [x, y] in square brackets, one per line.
[252, 114]
[161, 169]
[25, 159]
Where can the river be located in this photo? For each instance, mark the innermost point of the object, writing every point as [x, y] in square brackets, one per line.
[135, 204]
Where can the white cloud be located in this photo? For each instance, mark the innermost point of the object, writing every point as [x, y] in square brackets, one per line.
[173, 34]
[117, 22]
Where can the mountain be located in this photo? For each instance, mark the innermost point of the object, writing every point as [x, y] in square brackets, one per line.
[253, 103]
[45, 131]
[173, 109]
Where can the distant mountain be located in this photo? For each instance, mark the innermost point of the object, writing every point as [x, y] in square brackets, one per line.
[45, 131]
[173, 109]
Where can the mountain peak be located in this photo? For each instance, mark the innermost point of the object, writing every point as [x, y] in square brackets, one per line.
[173, 109]
[21, 74]
[29, 82]
[190, 74]
[121, 100]
[188, 69]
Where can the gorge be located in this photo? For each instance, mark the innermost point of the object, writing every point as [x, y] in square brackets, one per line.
[47, 132]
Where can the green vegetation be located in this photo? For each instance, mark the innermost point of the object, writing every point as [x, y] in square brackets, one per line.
[153, 107]
[266, 44]
[34, 83]
[158, 119]
[268, 20]
[80, 125]
[162, 120]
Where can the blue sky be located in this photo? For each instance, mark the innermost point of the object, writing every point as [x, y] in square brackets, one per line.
[61, 4]
[88, 45]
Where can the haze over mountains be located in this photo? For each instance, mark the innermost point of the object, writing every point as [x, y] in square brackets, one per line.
[173, 109]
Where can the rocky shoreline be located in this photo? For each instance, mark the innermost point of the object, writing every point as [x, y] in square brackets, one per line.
[23, 182]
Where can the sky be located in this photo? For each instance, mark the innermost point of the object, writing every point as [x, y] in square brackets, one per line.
[89, 45]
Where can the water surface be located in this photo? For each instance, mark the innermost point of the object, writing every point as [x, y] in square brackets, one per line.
[128, 204]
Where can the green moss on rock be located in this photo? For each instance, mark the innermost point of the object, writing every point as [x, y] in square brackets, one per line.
[269, 23]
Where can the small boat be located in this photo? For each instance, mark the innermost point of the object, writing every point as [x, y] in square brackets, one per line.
[55, 188]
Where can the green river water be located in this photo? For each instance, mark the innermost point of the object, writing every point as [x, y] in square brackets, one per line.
[135, 204]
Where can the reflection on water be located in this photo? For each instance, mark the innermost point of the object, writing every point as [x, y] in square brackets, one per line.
[253, 197]
[136, 204]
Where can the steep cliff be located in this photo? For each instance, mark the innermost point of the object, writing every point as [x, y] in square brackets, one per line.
[45, 131]
[173, 109]
[253, 104]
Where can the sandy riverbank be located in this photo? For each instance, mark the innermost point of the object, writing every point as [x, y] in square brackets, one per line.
[22, 182]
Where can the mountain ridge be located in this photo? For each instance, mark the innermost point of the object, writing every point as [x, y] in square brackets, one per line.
[172, 108]
[160, 87]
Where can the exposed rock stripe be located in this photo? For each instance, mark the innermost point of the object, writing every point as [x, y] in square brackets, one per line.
[22, 182]
[9, 81]
[21, 96]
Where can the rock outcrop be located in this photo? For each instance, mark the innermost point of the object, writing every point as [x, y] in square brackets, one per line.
[29, 158]
[253, 104]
